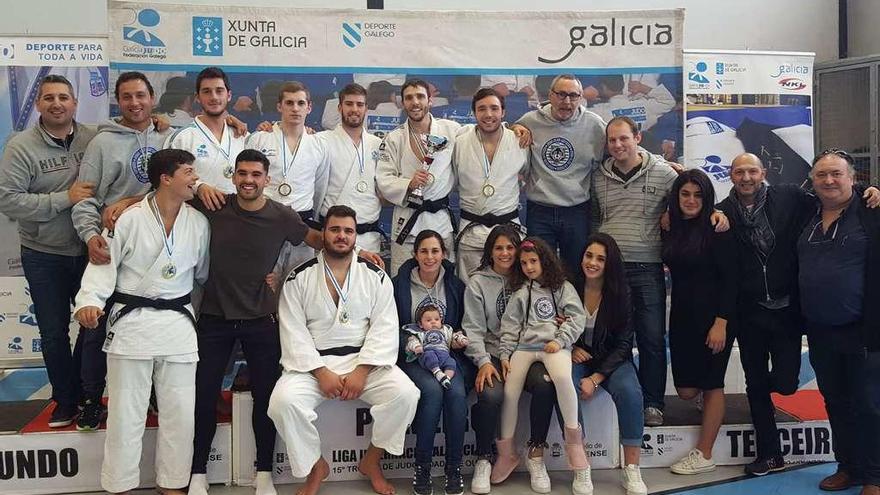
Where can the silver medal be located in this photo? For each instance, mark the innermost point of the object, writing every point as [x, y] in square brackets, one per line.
[343, 317]
[169, 271]
[430, 179]
[488, 190]
[361, 186]
[228, 171]
[284, 189]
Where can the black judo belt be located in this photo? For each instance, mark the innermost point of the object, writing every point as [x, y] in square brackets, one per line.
[489, 220]
[340, 351]
[307, 217]
[429, 206]
[363, 228]
[133, 302]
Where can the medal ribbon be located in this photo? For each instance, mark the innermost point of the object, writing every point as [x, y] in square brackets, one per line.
[165, 239]
[286, 167]
[219, 147]
[343, 297]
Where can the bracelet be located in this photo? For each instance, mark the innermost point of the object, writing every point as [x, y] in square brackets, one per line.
[595, 385]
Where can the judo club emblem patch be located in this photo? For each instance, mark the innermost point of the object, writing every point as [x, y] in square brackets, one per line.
[544, 308]
[558, 153]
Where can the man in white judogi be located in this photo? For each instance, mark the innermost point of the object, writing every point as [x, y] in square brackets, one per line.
[339, 339]
[210, 138]
[353, 154]
[158, 246]
[298, 165]
[415, 160]
[488, 162]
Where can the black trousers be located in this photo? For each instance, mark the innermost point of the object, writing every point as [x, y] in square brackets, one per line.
[262, 350]
[847, 377]
[486, 412]
[770, 352]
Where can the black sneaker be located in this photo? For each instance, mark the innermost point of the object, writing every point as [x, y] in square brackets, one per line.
[63, 415]
[422, 480]
[92, 414]
[454, 483]
[760, 467]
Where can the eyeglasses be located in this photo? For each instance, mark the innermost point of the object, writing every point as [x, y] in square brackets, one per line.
[562, 95]
[834, 151]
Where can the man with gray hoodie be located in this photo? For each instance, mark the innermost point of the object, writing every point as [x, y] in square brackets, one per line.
[567, 144]
[116, 163]
[38, 185]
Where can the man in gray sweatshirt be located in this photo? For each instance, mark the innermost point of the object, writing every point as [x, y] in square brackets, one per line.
[567, 144]
[631, 187]
[116, 163]
[38, 185]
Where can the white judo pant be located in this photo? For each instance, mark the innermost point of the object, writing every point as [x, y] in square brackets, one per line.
[128, 384]
[389, 392]
[466, 261]
[401, 253]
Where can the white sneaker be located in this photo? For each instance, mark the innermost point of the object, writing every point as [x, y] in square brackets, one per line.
[198, 485]
[480, 482]
[583, 482]
[538, 474]
[631, 480]
[263, 484]
[693, 463]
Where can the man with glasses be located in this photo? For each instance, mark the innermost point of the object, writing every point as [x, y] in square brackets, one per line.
[767, 220]
[567, 142]
[838, 253]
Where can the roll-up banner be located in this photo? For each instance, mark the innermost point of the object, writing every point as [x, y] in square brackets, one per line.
[756, 102]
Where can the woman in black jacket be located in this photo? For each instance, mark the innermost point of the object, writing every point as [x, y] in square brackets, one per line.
[602, 356]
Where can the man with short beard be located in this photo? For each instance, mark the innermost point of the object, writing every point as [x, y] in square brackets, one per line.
[488, 162]
[210, 138]
[415, 173]
[353, 155]
[238, 305]
[343, 346]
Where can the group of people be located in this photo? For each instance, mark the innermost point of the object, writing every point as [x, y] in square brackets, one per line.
[123, 220]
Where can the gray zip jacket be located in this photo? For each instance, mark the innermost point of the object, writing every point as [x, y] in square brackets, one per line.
[116, 162]
[485, 300]
[529, 322]
[35, 174]
[631, 210]
[563, 156]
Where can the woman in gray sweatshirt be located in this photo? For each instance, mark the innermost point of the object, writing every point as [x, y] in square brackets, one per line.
[542, 320]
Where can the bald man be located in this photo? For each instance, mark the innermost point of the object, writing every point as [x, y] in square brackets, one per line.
[767, 220]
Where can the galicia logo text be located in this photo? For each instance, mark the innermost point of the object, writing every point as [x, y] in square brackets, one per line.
[614, 34]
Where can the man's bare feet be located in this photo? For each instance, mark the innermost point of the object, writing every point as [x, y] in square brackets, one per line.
[369, 467]
[320, 471]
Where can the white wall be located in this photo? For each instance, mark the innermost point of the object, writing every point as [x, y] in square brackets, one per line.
[863, 18]
[789, 25]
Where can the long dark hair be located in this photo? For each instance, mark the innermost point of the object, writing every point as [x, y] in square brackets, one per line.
[552, 272]
[687, 238]
[507, 231]
[615, 298]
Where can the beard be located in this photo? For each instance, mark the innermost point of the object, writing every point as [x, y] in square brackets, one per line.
[332, 251]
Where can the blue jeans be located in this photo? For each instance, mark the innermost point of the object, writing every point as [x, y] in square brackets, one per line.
[434, 400]
[565, 228]
[846, 375]
[623, 385]
[54, 281]
[647, 287]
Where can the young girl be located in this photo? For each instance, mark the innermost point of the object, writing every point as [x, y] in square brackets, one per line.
[542, 320]
[702, 264]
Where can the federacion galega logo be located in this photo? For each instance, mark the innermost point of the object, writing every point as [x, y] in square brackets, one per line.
[614, 34]
[146, 18]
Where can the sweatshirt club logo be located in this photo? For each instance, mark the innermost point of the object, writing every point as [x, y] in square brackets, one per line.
[558, 153]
